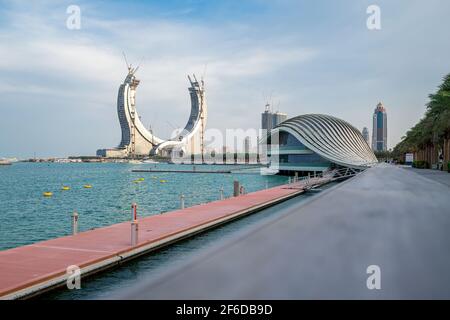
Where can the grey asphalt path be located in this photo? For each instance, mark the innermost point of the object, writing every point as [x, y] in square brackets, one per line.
[440, 176]
[387, 216]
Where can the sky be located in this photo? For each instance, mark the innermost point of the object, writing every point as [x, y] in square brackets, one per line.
[58, 86]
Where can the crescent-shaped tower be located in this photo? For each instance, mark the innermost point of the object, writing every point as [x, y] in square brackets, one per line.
[137, 141]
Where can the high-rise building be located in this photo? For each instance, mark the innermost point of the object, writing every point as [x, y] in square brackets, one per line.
[266, 119]
[278, 118]
[271, 119]
[365, 134]
[379, 133]
[136, 140]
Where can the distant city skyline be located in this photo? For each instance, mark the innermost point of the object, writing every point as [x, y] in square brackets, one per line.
[59, 86]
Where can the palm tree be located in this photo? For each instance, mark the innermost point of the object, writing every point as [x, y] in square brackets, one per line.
[433, 128]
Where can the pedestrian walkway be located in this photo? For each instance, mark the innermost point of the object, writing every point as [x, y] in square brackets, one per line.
[437, 175]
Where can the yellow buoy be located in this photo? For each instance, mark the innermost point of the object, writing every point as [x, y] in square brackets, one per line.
[141, 179]
[65, 188]
[48, 194]
[162, 181]
[87, 186]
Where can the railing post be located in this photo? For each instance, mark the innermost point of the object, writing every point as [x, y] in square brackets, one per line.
[134, 233]
[133, 211]
[134, 225]
[221, 193]
[236, 188]
[74, 223]
[182, 201]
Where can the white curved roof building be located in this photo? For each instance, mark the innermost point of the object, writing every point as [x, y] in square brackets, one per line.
[317, 142]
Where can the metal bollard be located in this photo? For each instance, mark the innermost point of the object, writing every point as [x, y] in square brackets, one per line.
[221, 193]
[296, 177]
[74, 223]
[134, 233]
[182, 201]
[134, 225]
[236, 188]
[133, 211]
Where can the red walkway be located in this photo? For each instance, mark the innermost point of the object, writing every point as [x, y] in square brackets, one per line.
[34, 267]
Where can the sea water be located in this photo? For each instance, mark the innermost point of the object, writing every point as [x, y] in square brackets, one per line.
[26, 216]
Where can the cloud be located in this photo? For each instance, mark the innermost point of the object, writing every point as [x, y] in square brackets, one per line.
[42, 58]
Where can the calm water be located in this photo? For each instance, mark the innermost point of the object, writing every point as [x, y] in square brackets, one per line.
[26, 216]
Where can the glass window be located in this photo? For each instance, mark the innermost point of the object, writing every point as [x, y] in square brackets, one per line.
[288, 140]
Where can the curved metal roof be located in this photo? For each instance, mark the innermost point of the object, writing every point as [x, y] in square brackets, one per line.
[333, 139]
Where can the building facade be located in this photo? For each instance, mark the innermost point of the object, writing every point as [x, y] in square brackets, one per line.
[316, 143]
[379, 132]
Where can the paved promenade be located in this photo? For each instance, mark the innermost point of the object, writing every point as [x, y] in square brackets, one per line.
[33, 268]
[387, 216]
[439, 176]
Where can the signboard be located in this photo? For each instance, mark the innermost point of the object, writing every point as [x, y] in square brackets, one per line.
[409, 158]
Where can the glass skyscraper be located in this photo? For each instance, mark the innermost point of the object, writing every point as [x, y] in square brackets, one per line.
[379, 133]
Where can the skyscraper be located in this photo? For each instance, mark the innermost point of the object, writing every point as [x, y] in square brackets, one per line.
[365, 134]
[278, 118]
[379, 133]
[266, 119]
[271, 119]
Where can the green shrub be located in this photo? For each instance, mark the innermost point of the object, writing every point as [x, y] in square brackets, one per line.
[420, 164]
[448, 167]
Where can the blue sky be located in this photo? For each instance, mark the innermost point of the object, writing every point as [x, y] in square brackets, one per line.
[59, 86]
